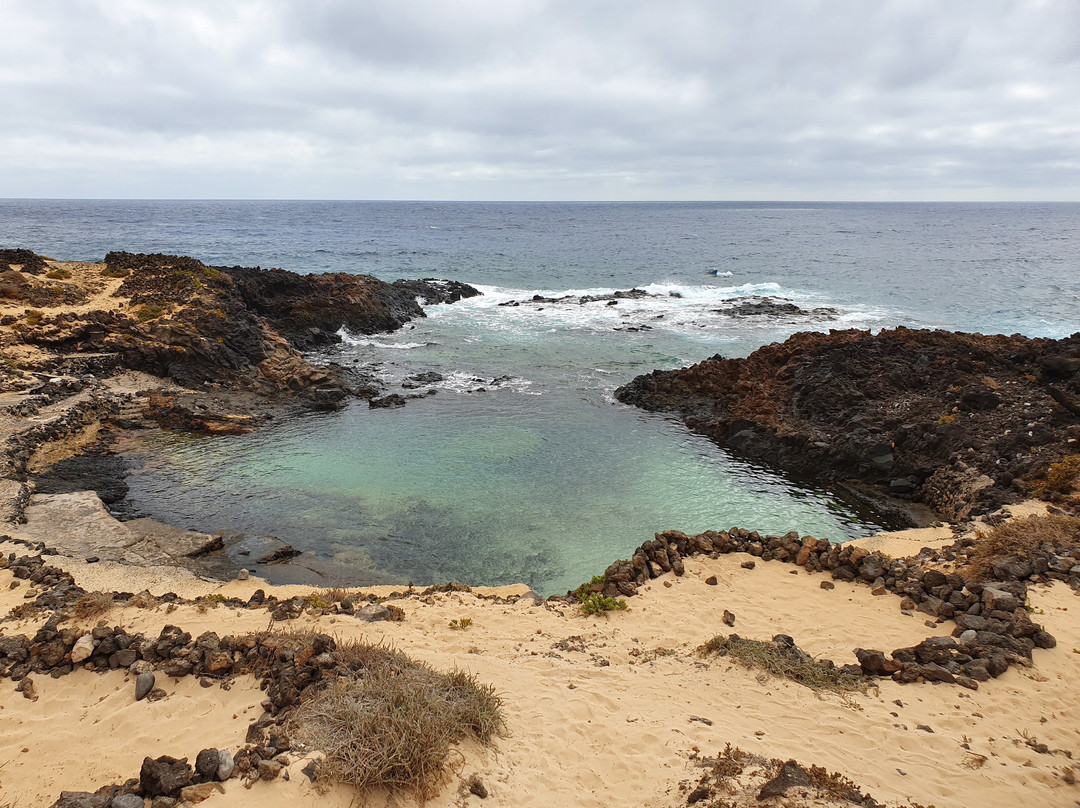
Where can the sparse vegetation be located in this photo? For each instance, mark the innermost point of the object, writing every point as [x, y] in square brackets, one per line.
[1061, 477]
[318, 600]
[33, 316]
[58, 274]
[592, 597]
[596, 603]
[146, 313]
[784, 661]
[1024, 538]
[93, 604]
[394, 724]
[115, 272]
[460, 624]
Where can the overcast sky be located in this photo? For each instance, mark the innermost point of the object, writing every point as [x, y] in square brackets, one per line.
[582, 99]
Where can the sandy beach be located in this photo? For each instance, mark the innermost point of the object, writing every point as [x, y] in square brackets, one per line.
[600, 710]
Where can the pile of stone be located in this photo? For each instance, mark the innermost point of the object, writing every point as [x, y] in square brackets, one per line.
[993, 628]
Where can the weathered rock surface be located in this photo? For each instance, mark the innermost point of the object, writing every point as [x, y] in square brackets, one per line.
[951, 420]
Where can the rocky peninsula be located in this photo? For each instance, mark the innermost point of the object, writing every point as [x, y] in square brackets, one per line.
[935, 666]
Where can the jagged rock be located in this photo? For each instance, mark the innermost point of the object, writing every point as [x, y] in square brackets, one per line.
[876, 663]
[269, 769]
[880, 409]
[206, 763]
[164, 776]
[199, 792]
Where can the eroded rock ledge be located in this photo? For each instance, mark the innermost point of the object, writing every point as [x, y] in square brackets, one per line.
[960, 422]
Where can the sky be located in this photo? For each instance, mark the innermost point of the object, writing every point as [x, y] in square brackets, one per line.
[894, 100]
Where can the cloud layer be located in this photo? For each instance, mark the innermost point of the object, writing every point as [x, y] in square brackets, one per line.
[498, 99]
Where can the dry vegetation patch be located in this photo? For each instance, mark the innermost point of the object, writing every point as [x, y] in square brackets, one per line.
[1027, 538]
[782, 658]
[738, 779]
[395, 721]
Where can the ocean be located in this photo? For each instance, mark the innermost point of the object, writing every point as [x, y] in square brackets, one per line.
[522, 467]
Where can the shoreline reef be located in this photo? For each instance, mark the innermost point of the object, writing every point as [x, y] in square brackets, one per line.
[935, 666]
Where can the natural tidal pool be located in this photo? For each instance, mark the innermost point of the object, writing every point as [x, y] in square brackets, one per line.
[521, 467]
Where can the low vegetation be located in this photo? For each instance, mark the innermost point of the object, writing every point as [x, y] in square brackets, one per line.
[115, 272]
[1061, 477]
[785, 661]
[147, 313]
[93, 604]
[592, 598]
[59, 274]
[394, 723]
[1026, 538]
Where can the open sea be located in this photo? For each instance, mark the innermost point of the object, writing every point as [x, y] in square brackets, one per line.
[522, 467]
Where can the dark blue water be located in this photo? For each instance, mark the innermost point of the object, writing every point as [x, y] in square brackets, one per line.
[542, 477]
[992, 267]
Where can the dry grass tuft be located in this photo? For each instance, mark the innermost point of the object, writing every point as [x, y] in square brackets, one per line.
[784, 661]
[395, 723]
[1024, 538]
[93, 604]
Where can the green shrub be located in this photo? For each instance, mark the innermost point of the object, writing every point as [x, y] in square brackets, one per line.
[146, 313]
[596, 603]
[115, 272]
[59, 273]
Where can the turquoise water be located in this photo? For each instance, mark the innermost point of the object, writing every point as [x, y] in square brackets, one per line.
[542, 477]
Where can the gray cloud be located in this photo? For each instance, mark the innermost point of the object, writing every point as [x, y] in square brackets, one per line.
[469, 99]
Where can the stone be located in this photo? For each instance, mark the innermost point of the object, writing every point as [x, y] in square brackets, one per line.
[81, 799]
[198, 793]
[748, 565]
[374, 612]
[206, 763]
[998, 600]
[875, 662]
[127, 801]
[269, 769]
[226, 765]
[1044, 639]
[968, 636]
[933, 672]
[711, 580]
[83, 649]
[164, 776]
[968, 682]
[827, 585]
[144, 683]
[242, 574]
[729, 618]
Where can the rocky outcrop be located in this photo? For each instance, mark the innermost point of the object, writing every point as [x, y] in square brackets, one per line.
[241, 328]
[947, 419]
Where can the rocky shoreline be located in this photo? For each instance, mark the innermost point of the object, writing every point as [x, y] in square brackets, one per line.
[962, 423]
